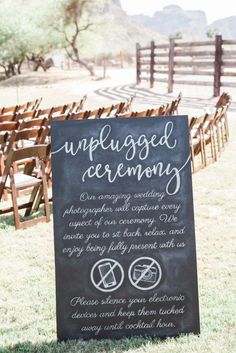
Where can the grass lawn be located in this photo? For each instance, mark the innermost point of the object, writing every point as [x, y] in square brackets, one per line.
[27, 284]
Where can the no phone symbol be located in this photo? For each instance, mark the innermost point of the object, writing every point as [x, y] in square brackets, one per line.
[107, 275]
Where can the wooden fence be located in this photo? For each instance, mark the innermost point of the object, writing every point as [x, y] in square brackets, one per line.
[215, 60]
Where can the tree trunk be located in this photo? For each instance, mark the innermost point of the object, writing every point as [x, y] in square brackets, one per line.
[104, 67]
[83, 63]
[19, 66]
[39, 64]
[13, 69]
[87, 66]
[5, 70]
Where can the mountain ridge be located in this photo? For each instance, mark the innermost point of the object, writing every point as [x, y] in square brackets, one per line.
[172, 20]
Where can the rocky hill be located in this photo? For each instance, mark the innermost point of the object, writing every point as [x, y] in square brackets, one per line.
[174, 20]
[117, 32]
[225, 26]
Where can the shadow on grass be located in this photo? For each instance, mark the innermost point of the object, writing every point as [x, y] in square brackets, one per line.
[8, 220]
[77, 346]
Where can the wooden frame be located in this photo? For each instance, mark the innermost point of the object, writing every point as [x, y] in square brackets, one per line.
[199, 58]
[14, 182]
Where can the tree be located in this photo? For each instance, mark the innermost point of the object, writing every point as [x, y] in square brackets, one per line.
[71, 19]
[12, 50]
[176, 35]
[24, 34]
[211, 33]
[41, 38]
[31, 30]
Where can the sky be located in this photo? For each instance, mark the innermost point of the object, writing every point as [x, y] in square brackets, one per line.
[213, 9]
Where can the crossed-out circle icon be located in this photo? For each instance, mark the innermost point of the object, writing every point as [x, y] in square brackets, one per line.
[144, 273]
[107, 275]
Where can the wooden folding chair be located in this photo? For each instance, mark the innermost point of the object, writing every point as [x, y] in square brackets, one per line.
[224, 99]
[22, 107]
[34, 105]
[45, 113]
[196, 142]
[128, 104]
[107, 111]
[120, 109]
[3, 143]
[25, 136]
[209, 137]
[143, 114]
[126, 115]
[33, 123]
[111, 111]
[70, 108]
[97, 113]
[7, 118]
[22, 138]
[79, 116]
[6, 131]
[167, 109]
[222, 127]
[80, 105]
[26, 115]
[178, 100]
[37, 193]
[8, 126]
[94, 114]
[59, 110]
[124, 107]
[20, 181]
[159, 111]
[58, 118]
[9, 110]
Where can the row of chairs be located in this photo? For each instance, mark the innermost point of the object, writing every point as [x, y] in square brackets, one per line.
[65, 112]
[163, 110]
[75, 111]
[25, 158]
[208, 135]
[7, 128]
[26, 149]
[33, 111]
[32, 105]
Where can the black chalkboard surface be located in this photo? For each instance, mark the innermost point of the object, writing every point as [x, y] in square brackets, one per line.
[124, 228]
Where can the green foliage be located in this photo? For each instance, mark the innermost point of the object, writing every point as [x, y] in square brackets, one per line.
[33, 29]
[24, 33]
[176, 35]
[211, 33]
[75, 21]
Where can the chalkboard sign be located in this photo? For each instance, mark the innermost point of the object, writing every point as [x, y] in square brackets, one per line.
[124, 228]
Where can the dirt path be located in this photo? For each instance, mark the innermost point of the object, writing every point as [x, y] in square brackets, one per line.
[59, 87]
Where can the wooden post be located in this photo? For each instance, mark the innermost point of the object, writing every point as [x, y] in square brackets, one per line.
[152, 63]
[217, 65]
[121, 60]
[138, 66]
[68, 63]
[104, 66]
[171, 65]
